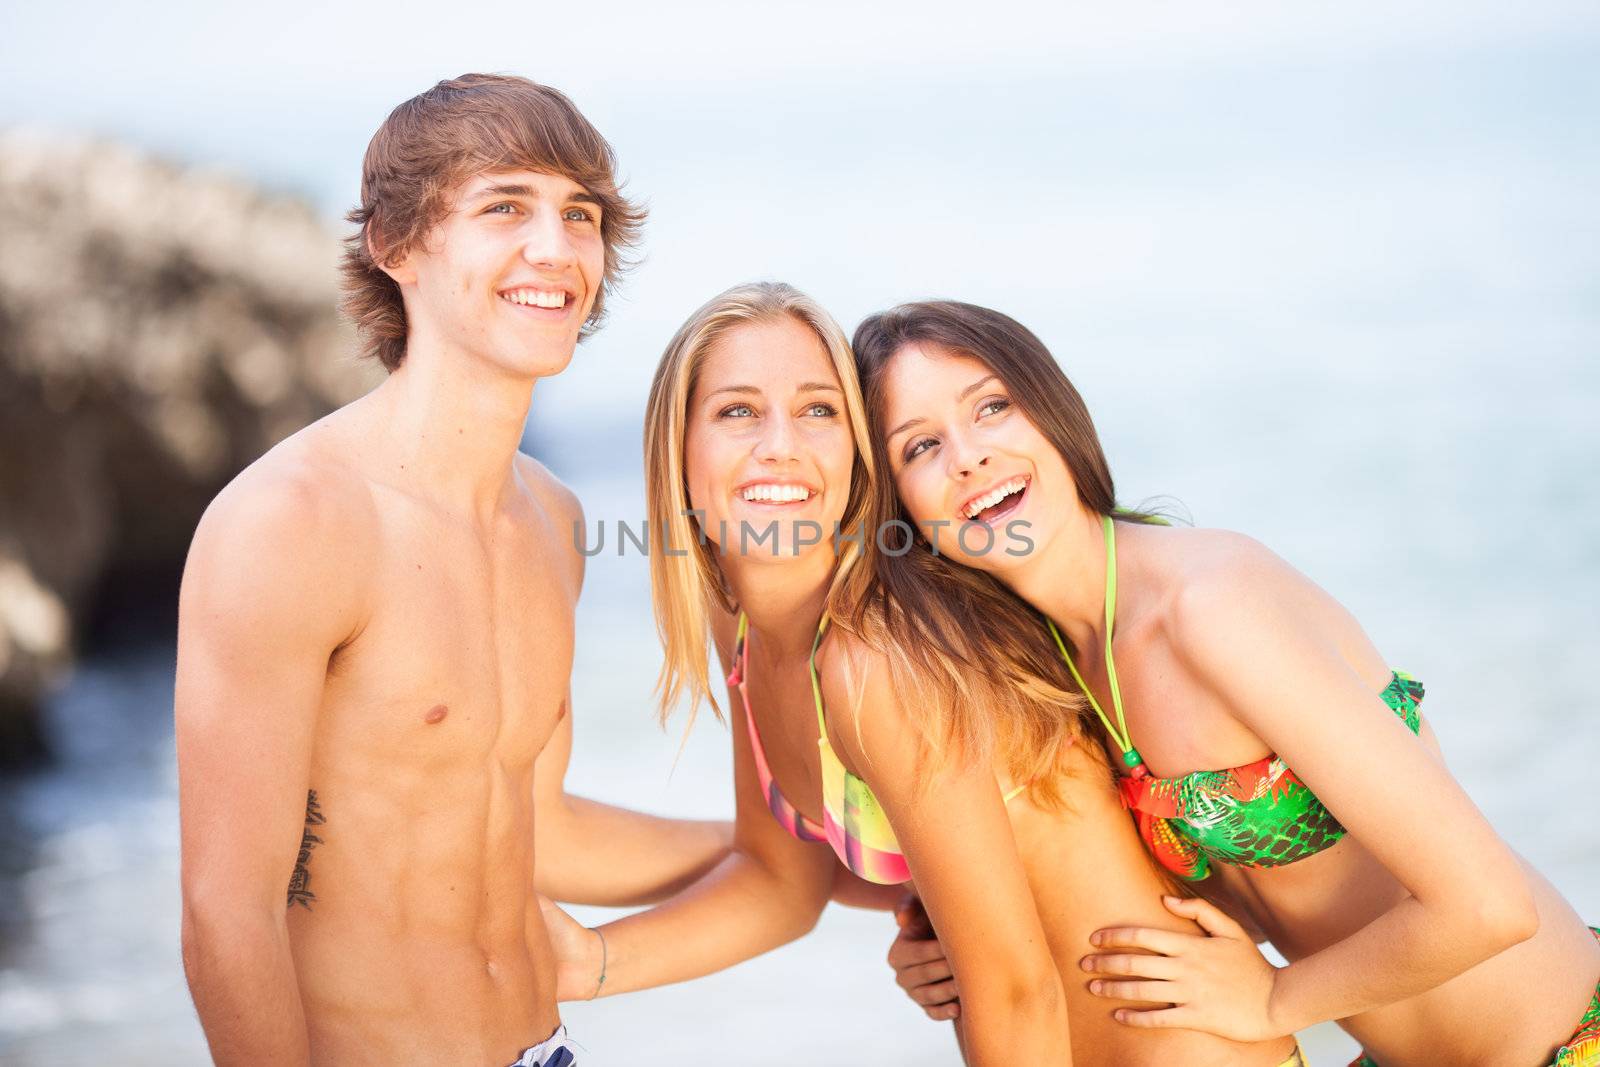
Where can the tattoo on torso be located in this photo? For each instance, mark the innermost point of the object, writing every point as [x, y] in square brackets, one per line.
[300, 881]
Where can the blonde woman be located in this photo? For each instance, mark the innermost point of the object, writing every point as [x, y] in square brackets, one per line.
[756, 458]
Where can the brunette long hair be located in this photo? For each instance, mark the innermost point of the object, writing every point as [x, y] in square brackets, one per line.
[974, 662]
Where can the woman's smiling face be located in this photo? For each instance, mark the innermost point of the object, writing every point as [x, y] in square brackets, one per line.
[978, 479]
[767, 448]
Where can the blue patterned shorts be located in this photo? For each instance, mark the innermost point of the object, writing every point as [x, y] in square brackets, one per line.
[554, 1051]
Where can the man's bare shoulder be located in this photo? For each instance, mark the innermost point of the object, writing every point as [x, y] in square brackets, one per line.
[555, 509]
[550, 493]
[301, 515]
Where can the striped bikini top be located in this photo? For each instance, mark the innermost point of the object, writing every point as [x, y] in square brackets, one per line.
[852, 820]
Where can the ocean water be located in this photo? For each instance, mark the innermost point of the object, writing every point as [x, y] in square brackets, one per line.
[1346, 305]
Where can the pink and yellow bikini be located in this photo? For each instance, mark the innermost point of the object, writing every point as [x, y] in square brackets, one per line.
[853, 822]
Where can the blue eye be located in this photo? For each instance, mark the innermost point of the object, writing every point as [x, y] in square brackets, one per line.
[993, 405]
[821, 410]
[495, 210]
[916, 448]
[736, 411]
[578, 214]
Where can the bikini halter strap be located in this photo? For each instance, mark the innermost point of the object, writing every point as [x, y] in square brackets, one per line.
[1119, 733]
[816, 685]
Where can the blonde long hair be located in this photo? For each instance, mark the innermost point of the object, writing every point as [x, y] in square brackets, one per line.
[686, 581]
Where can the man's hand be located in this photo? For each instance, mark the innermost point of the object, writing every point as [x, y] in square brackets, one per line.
[579, 952]
[919, 963]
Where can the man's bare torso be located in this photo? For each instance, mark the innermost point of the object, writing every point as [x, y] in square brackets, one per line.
[414, 928]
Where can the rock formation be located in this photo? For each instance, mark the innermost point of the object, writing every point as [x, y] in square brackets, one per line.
[159, 329]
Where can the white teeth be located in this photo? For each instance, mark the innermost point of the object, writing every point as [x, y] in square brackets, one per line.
[993, 497]
[776, 493]
[536, 298]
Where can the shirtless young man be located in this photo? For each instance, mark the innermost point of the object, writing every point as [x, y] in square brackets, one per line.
[376, 634]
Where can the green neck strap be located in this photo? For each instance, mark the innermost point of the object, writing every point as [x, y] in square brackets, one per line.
[1119, 733]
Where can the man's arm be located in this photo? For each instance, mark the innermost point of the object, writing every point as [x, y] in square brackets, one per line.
[586, 852]
[267, 596]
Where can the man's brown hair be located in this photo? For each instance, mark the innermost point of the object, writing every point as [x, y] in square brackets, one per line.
[440, 138]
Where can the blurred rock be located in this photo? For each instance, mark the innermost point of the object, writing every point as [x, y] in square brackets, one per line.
[159, 329]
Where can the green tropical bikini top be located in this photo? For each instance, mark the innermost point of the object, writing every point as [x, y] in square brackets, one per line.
[1258, 815]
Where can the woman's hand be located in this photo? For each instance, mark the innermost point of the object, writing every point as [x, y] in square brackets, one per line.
[579, 953]
[1218, 983]
[920, 967]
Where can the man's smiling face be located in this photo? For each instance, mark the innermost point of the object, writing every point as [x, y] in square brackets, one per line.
[510, 274]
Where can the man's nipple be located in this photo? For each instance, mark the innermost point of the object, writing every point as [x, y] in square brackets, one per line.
[436, 714]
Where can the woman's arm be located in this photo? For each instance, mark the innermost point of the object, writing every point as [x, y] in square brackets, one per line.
[768, 891]
[958, 842]
[588, 852]
[1268, 643]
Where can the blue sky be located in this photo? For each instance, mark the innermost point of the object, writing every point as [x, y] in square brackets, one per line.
[1265, 189]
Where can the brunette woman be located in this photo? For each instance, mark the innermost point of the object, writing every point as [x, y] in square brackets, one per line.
[1269, 754]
